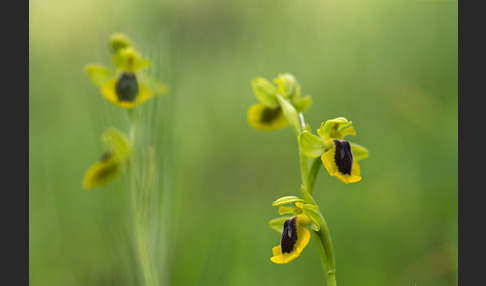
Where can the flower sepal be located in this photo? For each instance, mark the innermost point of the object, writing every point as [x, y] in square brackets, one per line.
[302, 103]
[314, 215]
[277, 223]
[99, 74]
[265, 92]
[291, 114]
[157, 87]
[117, 143]
[359, 152]
[311, 145]
[287, 85]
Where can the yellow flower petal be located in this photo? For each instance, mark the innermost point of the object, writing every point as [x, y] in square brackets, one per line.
[277, 250]
[285, 210]
[144, 94]
[108, 90]
[328, 161]
[265, 118]
[101, 172]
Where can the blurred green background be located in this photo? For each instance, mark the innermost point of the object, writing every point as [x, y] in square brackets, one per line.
[391, 67]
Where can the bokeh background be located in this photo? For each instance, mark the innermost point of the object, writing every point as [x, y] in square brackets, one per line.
[389, 66]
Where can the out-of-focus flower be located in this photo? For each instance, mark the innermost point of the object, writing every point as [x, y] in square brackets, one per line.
[125, 86]
[111, 164]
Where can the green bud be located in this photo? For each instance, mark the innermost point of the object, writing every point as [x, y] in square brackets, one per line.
[265, 92]
[310, 144]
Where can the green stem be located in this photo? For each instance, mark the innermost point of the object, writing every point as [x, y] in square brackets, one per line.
[140, 213]
[327, 254]
[306, 183]
[324, 238]
[304, 173]
[322, 254]
[315, 166]
[142, 245]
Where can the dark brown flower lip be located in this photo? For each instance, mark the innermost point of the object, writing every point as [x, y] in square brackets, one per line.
[269, 114]
[127, 87]
[343, 157]
[289, 235]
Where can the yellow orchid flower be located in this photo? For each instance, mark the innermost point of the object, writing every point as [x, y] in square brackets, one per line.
[125, 87]
[111, 164]
[339, 162]
[269, 114]
[295, 237]
[339, 157]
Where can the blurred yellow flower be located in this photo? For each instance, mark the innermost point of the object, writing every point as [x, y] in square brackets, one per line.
[110, 165]
[102, 172]
[272, 111]
[124, 87]
[126, 91]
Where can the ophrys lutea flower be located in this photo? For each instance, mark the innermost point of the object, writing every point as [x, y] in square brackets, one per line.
[294, 233]
[269, 114]
[125, 86]
[111, 163]
[339, 157]
[295, 238]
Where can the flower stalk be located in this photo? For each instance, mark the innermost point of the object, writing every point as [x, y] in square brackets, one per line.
[324, 242]
[284, 105]
[126, 87]
[140, 208]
